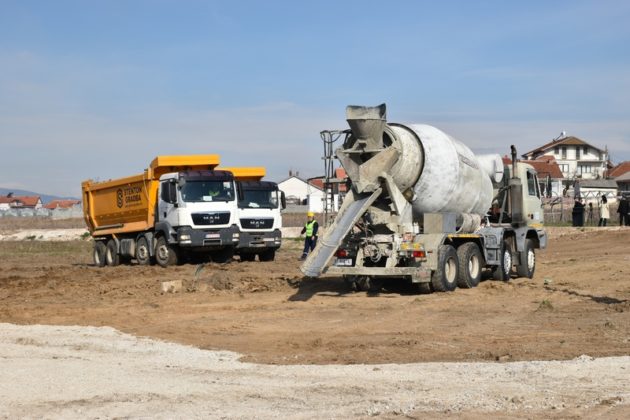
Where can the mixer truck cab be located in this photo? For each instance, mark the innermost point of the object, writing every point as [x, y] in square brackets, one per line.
[425, 208]
[259, 218]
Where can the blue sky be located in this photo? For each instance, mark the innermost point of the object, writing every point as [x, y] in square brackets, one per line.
[96, 89]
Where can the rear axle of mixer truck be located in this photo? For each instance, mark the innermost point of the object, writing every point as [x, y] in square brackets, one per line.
[423, 207]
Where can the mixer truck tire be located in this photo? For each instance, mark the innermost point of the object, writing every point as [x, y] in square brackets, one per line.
[527, 261]
[143, 254]
[503, 270]
[444, 279]
[111, 255]
[100, 249]
[268, 255]
[422, 288]
[165, 254]
[470, 264]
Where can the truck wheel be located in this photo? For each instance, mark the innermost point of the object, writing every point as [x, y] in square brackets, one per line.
[223, 256]
[502, 271]
[527, 263]
[422, 288]
[248, 257]
[470, 263]
[143, 254]
[165, 254]
[100, 249]
[268, 255]
[111, 255]
[444, 279]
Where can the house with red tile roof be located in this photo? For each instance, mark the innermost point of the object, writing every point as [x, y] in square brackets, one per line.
[62, 204]
[621, 169]
[11, 201]
[576, 158]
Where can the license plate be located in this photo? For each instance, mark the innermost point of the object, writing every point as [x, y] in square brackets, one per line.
[344, 262]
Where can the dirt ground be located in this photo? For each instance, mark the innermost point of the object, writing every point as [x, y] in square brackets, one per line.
[578, 303]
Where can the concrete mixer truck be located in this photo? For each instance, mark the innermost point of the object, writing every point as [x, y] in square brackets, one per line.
[422, 206]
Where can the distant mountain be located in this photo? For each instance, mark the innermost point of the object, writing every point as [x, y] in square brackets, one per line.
[45, 197]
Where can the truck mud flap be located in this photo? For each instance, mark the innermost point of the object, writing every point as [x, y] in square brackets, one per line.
[352, 209]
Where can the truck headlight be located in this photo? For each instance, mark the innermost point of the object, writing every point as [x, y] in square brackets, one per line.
[184, 237]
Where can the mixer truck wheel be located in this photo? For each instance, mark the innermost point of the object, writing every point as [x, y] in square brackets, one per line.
[527, 261]
[111, 255]
[143, 254]
[444, 279]
[165, 254]
[470, 264]
[100, 249]
[503, 270]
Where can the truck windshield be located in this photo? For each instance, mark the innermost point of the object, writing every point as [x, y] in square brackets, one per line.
[195, 191]
[267, 199]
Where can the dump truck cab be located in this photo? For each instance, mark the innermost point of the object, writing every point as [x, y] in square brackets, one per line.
[197, 209]
[259, 219]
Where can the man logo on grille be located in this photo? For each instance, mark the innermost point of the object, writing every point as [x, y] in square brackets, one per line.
[119, 198]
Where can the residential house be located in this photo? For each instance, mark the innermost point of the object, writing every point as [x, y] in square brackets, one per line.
[337, 190]
[62, 204]
[11, 201]
[299, 191]
[576, 158]
[616, 171]
[623, 183]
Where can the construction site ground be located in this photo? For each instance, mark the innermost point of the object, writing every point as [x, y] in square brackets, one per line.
[576, 307]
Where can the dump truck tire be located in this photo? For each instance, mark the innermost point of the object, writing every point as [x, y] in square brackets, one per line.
[165, 254]
[470, 264]
[98, 255]
[444, 279]
[223, 256]
[111, 255]
[527, 261]
[143, 254]
[248, 257]
[268, 255]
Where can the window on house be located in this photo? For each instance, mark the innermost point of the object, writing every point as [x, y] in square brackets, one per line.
[584, 169]
[564, 168]
[577, 153]
[564, 152]
[586, 150]
[555, 150]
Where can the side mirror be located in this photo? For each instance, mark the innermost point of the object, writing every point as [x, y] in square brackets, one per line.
[283, 200]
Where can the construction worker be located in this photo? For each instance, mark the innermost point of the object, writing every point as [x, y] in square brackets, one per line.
[310, 230]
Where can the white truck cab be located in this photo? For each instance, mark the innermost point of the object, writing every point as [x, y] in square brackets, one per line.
[197, 212]
[259, 219]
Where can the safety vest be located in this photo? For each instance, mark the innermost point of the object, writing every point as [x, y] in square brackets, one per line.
[309, 228]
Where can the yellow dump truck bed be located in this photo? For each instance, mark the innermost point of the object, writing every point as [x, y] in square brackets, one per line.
[254, 173]
[127, 205]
